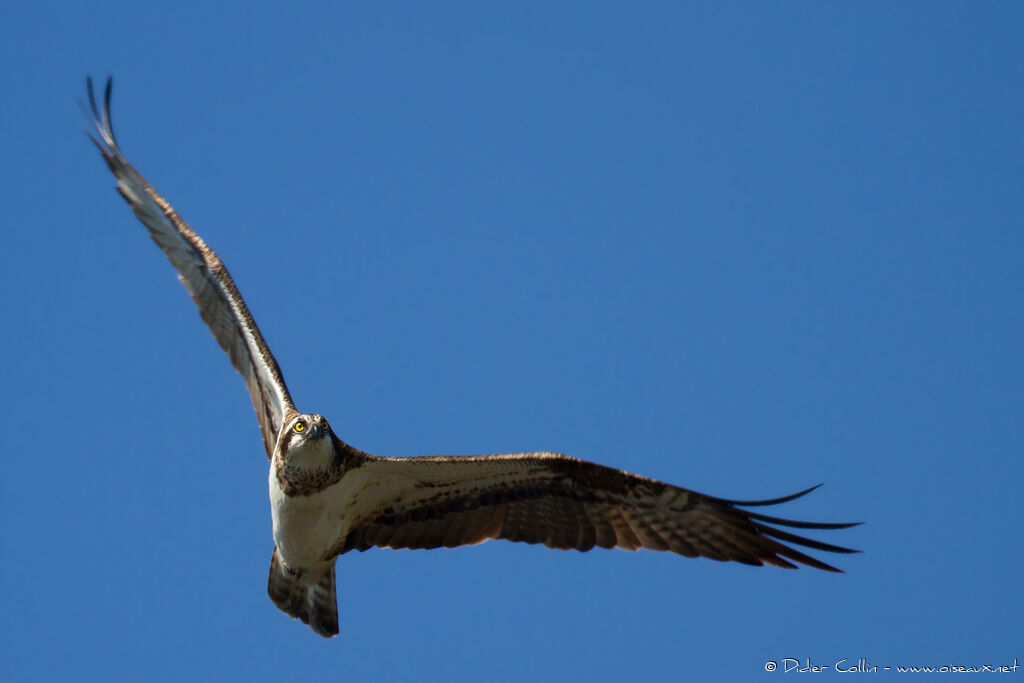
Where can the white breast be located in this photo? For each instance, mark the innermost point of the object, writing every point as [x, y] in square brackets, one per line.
[304, 528]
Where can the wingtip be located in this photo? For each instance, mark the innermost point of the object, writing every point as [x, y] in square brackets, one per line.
[771, 501]
[108, 91]
[101, 120]
[92, 98]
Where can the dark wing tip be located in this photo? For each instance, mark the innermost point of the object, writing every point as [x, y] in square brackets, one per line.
[778, 548]
[101, 118]
[801, 525]
[779, 520]
[770, 501]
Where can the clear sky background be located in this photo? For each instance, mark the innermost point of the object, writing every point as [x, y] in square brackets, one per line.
[741, 247]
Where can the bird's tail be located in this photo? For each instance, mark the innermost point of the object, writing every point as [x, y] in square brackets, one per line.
[316, 605]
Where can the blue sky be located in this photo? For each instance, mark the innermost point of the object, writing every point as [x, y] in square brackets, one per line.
[741, 247]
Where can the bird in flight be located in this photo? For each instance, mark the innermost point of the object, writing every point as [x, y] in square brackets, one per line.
[328, 498]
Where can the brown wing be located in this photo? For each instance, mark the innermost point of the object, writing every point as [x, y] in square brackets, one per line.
[564, 503]
[206, 279]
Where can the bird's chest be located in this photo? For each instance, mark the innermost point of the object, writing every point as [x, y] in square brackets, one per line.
[305, 530]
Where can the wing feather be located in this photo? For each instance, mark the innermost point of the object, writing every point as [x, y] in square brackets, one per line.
[205, 277]
[564, 503]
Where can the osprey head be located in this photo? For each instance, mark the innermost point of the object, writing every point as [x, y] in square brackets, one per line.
[306, 444]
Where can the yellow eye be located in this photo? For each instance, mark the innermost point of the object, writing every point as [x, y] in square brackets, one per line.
[300, 425]
[324, 425]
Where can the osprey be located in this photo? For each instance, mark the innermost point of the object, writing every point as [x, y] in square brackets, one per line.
[328, 498]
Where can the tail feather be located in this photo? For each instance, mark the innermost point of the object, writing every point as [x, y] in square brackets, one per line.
[316, 605]
[322, 605]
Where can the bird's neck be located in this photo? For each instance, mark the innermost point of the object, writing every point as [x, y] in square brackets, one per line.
[309, 468]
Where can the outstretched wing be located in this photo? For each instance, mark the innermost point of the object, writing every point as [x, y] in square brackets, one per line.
[563, 503]
[206, 279]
